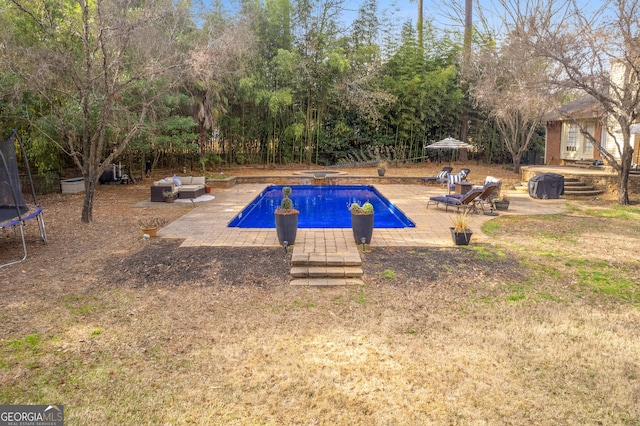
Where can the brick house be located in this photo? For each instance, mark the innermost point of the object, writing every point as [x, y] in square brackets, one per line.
[564, 142]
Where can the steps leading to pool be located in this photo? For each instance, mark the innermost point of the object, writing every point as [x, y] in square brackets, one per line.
[326, 269]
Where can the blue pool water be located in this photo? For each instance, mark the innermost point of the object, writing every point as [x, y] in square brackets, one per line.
[321, 207]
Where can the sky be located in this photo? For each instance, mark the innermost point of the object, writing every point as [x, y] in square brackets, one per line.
[440, 11]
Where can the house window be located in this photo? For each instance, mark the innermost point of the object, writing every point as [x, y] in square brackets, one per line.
[572, 137]
[587, 146]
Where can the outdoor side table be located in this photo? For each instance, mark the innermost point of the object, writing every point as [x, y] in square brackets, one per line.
[463, 187]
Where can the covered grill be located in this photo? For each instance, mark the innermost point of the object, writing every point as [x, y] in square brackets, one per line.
[546, 186]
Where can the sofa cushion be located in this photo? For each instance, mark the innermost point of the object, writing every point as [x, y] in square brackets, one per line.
[169, 186]
[198, 180]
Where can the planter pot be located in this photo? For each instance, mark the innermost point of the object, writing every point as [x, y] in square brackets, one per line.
[287, 228]
[461, 238]
[207, 189]
[149, 231]
[381, 172]
[168, 199]
[501, 205]
[362, 226]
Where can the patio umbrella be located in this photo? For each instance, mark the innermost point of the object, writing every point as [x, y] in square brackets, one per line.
[450, 143]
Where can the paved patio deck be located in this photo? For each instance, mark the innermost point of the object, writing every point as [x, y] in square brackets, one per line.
[206, 225]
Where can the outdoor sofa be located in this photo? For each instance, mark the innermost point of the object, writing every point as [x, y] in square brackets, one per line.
[181, 186]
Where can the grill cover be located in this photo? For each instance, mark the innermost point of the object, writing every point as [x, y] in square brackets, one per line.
[546, 186]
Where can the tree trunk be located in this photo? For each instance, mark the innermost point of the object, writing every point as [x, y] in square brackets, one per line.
[623, 192]
[623, 175]
[466, 53]
[202, 139]
[516, 163]
[420, 28]
[90, 183]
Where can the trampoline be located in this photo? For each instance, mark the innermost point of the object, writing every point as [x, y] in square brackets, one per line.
[14, 210]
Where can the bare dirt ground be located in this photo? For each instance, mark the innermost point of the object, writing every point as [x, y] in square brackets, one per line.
[539, 326]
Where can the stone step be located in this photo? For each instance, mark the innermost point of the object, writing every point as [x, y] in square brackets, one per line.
[578, 188]
[575, 187]
[325, 266]
[326, 259]
[326, 272]
[326, 282]
[585, 193]
[574, 183]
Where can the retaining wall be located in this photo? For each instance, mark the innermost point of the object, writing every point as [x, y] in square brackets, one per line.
[311, 180]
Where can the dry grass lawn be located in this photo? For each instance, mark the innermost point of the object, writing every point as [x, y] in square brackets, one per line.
[538, 326]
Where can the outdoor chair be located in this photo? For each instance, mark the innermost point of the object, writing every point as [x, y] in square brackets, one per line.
[440, 177]
[465, 201]
[490, 180]
[489, 192]
[453, 178]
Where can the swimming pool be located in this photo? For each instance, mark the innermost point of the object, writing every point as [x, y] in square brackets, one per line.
[321, 207]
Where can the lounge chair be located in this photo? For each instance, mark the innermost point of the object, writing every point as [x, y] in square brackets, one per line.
[465, 201]
[487, 193]
[440, 177]
[488, 180]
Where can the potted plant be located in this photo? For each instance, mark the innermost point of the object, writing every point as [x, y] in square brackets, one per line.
[362, 222]
[168, 196]
[286, 219]
[382, 168]
[501, 202]
[150, 226]
[460, 231]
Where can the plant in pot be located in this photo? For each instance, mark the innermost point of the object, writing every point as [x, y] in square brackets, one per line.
[382, 168]
[168, 196]
[286, 219]
[461, 230]
[501, 202]
[150, 226]
[362, 222]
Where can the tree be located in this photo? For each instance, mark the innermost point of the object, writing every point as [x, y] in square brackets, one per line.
[507, 81]
[427, 91]
[466, 54]
[595, 51]
[99, 66]
[321, 64]
[219, 55]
